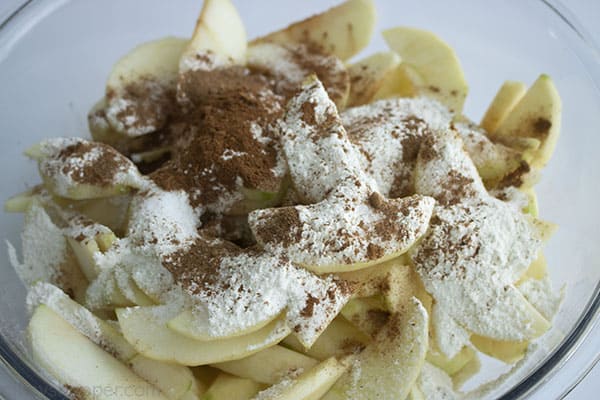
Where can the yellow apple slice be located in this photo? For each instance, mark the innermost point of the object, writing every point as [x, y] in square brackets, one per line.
[389, 366]
[198, 327]
[368, 76]
[78, 363]
[227, 387]
[219, 38]
[415, 394]
[368, 314]
[465, 373]
[506, 351]
[450, 365]
[536, 116]
[342, 31]
[339, 339]
[21, 202]
[507, 97]
[139, 87]
[310, 385]
[404, 81]
[269, 365]
[434, 383]
[78, 169]
[435, 61]
[173, 380]
[155, 340]
[290, 64]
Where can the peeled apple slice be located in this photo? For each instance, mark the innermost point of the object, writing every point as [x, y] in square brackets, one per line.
[138, 84]
[536, 116]
[368, 75]
[389, 366]
[227, 387]
[435, 61]
[155, 340]
[311, 385]
[343, 30]
[219, 38]
[79, 364]
[507, 97]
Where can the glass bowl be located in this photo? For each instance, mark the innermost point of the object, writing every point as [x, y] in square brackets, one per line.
[55, 56]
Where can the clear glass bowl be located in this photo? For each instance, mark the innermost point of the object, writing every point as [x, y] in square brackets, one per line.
[56, 54]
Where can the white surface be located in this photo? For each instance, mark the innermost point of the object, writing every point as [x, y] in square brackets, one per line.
[588, 13]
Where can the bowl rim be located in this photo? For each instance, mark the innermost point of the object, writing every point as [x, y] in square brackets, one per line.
[24, 373]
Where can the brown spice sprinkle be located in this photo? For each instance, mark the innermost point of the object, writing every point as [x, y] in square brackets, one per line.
[101, 171]
[541, 128]
[516, 177]
[284, 226]
[216, 145]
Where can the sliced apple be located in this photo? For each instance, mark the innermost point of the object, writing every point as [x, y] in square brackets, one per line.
[21, 202]
[434, 383]
[288, 65]
[198, 327]
[451, 365]
[310, 385]
[342, 31]
[536, 116]
[507, 351]
[227, 387]
[390, 365]
[368, 76]
[404, 81]
[465, 373]
[140, 87]
[175, 381]
[81, 365]
[339, 339]
[131, 290]
[435, 61]
[368, 314]
[507, 97]
[219, 38]
[269, 365]
[415, 394]
[66, 165]
[155, 340]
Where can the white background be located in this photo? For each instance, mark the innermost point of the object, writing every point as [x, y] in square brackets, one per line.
[588, 13]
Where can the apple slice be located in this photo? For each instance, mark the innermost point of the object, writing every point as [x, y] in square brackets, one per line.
[79, 364]
[434, 383]
[227, 387]
[78, 169]
[141, 87]
[507, 351]
[310, 385]
[269, 365]
[404, 81]
[507, 97]
[450, 365]
[342, 31]
[435, 61]
[339, 339]
[536, 116]
[368, 76]
[198, 327]
[219, 38]
[21, 202]
[155, 340]
[469, 370]
[288, 65]
[175, 381]
[389, 366]
[368, 314]
[415, 394]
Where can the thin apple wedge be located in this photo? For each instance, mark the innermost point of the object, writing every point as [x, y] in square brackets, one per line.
[403, 81]
[536, 116]
[368, 314]
[175, 381]
[198, 327]
[227, 387]
[219, 38]
[451, 365]
[506, 351]
[269, 365]
[139, 88]
[390, 365]
[507, 97]
[80, 364]
[21, 202]
[155, 340]
[368, 75]
[343, 30]
[434, 383]
[310, 385]
[339, 338]
[435, 61]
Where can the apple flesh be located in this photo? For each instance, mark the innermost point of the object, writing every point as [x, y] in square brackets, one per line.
[505, 100]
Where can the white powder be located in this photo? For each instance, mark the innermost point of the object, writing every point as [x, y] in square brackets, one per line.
[228, 154]
[450, 337]
[542, 296]
[163, 222]
[475, 249]
[44, 248]
[387, 131]
[64, 172]
[435, 384]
